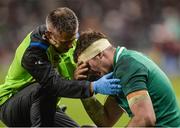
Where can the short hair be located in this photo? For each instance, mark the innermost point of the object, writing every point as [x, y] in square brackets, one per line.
[85, 40]
[63, 20]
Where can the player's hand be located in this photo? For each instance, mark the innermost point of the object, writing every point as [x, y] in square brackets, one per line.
[107, 85]
[81, 71]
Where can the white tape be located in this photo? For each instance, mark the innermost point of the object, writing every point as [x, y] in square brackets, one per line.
[94, 49]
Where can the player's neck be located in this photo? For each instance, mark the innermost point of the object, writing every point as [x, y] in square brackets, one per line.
[110, 55]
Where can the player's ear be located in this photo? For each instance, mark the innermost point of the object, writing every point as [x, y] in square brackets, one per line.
[101, 54]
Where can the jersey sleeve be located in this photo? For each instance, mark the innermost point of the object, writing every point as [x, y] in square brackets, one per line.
[35, 61]
[133, 75]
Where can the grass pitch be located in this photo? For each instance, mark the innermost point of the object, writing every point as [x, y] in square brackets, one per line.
[76, 111]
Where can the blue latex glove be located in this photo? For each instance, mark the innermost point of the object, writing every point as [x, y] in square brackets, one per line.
[107, 85]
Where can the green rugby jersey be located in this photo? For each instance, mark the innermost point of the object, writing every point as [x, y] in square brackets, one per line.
[18, 78]
[137, 72]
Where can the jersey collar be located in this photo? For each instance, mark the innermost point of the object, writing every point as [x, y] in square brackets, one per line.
[118, 53]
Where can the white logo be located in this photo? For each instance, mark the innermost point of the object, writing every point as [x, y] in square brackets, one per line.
[39, 62]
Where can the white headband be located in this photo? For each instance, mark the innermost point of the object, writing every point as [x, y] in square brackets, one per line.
[94, 49]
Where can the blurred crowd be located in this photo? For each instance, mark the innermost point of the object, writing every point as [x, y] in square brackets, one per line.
[150, 26]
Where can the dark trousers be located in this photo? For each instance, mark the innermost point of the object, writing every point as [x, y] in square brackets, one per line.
[33, 107]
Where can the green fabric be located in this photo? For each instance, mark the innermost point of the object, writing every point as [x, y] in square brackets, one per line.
[17, 77]
[65, 63]
[137, 72]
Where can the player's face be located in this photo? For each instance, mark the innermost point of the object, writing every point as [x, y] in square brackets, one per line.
[99, 65]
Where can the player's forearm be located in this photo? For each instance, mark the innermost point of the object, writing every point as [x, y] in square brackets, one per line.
[140, 122]
[96, 111]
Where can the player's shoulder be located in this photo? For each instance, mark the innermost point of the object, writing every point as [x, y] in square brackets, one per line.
[129, 64]
[128, 60]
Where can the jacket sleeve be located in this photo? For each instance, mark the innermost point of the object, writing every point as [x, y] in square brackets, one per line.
[36, 62]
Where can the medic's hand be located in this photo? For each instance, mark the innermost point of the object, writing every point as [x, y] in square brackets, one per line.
[106, 85]
[81, 71]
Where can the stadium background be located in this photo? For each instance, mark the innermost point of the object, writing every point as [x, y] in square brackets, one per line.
[149, 26]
